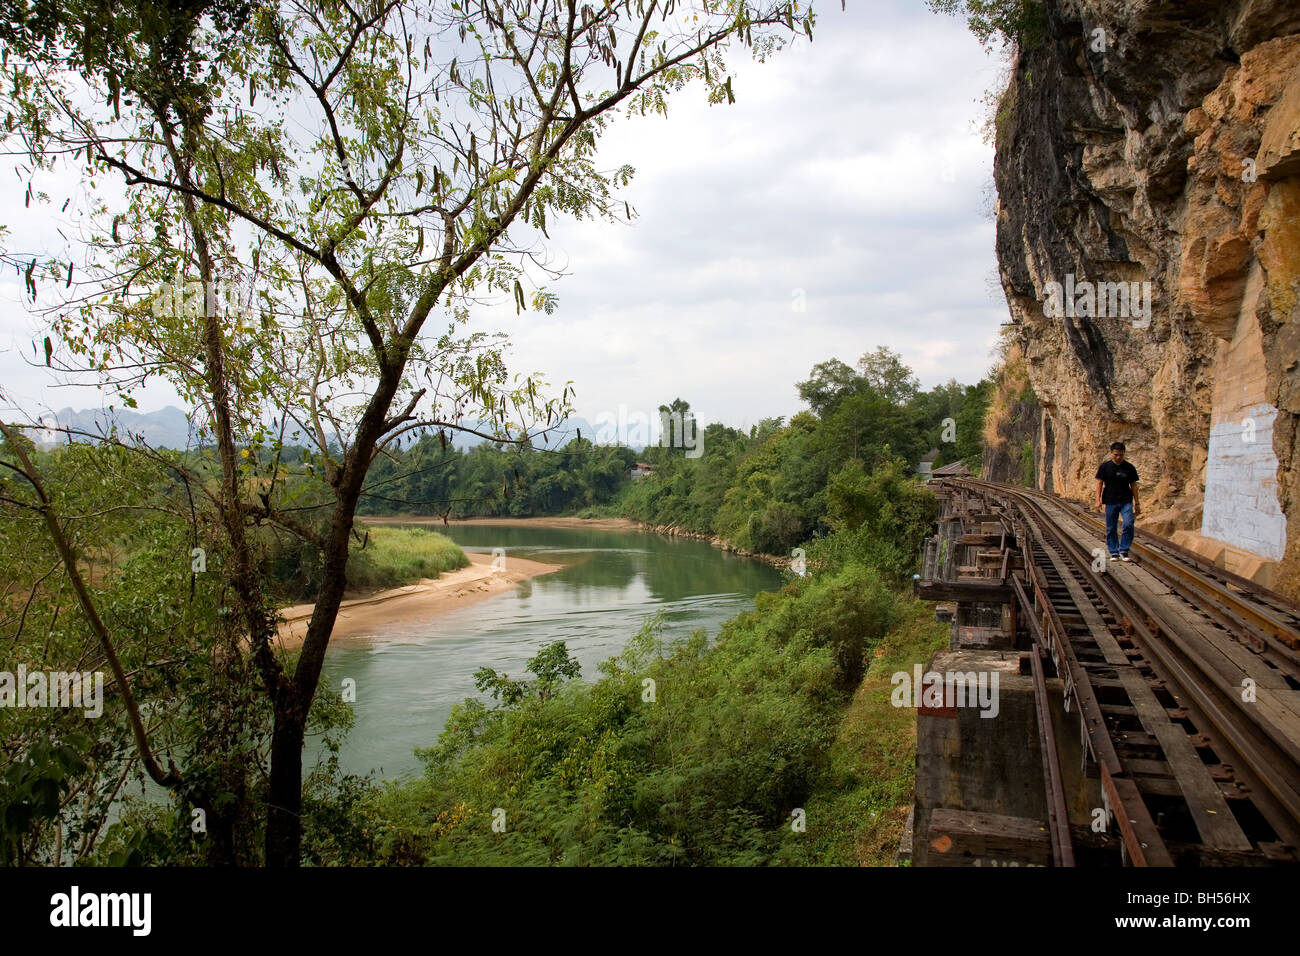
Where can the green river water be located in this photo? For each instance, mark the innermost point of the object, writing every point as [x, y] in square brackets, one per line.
[409, 677]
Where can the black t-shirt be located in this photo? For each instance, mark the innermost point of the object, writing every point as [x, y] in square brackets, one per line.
[1115, 482]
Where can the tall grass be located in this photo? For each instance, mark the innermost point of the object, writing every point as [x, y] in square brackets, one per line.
[858, 807]
[397, 556]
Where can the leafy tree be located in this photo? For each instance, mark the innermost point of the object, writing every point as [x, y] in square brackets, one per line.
[397, 165]
[850, 497]
[678, 423]
[765, 429]
[775, 500]
[1018, 23]
[861, 426]
[884, 373]
[879, 520]
[36, 789]
[126, 537]
[829, 383]
[969, 422]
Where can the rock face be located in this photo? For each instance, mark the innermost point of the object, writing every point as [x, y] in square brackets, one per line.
[1148, 176]
[1013, 428]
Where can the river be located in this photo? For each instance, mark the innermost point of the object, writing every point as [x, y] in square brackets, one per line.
[408, 680]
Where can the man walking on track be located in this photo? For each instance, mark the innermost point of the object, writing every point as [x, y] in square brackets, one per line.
[1117, 494]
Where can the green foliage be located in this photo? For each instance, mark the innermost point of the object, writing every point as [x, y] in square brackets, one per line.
[773, 489]
[884, 373]
[851, 497]
[845, 611]
[681, 753]
[336, 825]
[969, 420]
[68, 777]
[829, 383]
[880, 373]
[879, 520]
[159, 829]
[552, 666]
[35, 787]
[774, 501]
[390, 557]
[688, 492]
[129, 520]
[491, 480]
[1019, 23]
[858, 808]
[678, 424]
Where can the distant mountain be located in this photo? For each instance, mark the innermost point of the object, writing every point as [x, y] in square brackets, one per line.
[634, 434]
[564, 432]
[170, 428]
[166, 428]
[557, 436]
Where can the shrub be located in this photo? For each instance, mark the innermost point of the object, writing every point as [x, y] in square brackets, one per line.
[704, 770]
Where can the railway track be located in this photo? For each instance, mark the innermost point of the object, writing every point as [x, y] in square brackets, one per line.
[1185, 680]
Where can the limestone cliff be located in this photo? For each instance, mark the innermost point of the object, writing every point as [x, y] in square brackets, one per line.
[1148, 176]
[1013, 425]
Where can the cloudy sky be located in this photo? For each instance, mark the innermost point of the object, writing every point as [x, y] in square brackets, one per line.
[840, 204]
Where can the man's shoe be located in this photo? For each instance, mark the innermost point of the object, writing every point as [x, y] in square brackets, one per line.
[1114, 557]
[1123, 556]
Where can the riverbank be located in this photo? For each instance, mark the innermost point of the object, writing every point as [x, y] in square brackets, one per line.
[367, 616]
[717, 541]
[867, 784]
[591, 524]
[549, 753]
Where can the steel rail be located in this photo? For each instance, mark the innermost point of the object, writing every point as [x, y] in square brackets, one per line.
[1142, 841]
[1284, 747]
[1272, 761]
[1262, 616]
[1058, 816]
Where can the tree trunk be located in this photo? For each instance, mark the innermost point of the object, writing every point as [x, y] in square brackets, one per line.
[284, 815]
[292, 703]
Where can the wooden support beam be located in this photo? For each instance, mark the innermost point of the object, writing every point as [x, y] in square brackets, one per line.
[968, 838]
[989, 591]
